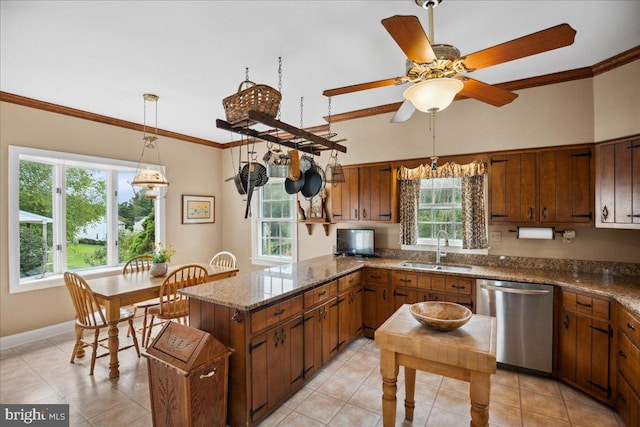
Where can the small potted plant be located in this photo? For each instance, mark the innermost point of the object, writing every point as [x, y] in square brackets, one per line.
[161, 257]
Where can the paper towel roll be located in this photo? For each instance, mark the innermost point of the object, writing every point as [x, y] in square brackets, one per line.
[544, 233]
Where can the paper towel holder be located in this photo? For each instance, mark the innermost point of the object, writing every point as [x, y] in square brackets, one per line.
[540, 233]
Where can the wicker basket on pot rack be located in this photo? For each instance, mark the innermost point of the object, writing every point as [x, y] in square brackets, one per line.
[254, 97]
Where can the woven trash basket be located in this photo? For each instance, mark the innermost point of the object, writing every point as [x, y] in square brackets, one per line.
[254, 97]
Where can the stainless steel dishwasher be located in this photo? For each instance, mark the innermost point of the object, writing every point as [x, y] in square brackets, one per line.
[524, 313]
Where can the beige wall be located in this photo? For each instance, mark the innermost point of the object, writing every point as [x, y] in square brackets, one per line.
[582, 111]
[191, 169]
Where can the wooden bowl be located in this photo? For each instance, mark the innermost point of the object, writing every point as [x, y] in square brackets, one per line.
[441, 316]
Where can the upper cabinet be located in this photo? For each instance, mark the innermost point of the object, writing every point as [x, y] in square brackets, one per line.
[542, 187]
[368, 194]
[618, 184]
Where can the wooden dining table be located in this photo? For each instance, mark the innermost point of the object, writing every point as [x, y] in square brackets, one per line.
[121, 290]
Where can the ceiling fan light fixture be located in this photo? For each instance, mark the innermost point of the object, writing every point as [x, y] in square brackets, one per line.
[433, 95]
[426, 3]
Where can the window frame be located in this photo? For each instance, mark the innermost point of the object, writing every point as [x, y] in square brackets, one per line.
[60, 160]
[256, 257]
[429, 241]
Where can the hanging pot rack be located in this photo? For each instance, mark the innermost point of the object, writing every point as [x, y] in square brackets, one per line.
[309, 143]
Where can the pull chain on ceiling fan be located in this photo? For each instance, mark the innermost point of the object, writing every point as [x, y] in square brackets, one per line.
[440, 67]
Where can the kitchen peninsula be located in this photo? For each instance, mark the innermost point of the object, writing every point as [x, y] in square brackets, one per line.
[286, 322]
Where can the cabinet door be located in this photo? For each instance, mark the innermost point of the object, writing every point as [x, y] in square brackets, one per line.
[376, 185]
[512, 188]
[312, 341]
[344, 197]
[403, 296]
[356, 312]
[278, 365]
[259, 380]
[568, 340]
[628, 404]
[606, 171]
[377, 306]
[329, 330]
[296, 337]
[344, 319]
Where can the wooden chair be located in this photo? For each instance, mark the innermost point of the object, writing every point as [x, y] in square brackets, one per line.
[139, 264]
[90, 315]
[173, 305]
[223, 259]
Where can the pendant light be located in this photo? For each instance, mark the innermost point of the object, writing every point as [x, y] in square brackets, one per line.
[151, 179]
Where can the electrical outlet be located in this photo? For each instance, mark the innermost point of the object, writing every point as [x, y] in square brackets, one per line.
[495, 236]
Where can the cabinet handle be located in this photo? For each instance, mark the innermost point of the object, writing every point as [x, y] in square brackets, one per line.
[322, 293]
[398, 294]
[544, 213]
[630, 326]
[530, 213]
[566, 321]
[583, 304]
[582, 215]
[384, 295]
[605, 213]
[284, 336]
[355, 213]
[387, 215]
[279, 312]
[634, 216]
[622, 354]
[364, 213]
[277, 338]
[376, 277]
[209, 375]
[621, 397]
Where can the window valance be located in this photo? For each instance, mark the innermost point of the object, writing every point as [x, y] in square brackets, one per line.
[448, 170]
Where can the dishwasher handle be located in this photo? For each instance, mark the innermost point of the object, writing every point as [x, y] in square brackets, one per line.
[515, 290]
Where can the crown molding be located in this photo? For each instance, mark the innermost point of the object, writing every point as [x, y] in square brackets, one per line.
[80, 114]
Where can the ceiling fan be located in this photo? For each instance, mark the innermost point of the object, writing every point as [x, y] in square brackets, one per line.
[440, 69]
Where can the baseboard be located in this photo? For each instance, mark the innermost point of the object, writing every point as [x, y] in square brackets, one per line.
[11, 341]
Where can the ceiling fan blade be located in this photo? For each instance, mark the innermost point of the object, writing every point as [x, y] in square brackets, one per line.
[362, 86]
[486, 93]
[404, 113]
[410, 36]
[542, 41]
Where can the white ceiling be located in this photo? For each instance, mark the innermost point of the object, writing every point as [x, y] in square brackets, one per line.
[101, 56]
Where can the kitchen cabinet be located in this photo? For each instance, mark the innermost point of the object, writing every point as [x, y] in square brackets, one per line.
[618, 184]
[276, 365]
[628, 367]
[412, 288]
[585, 344]
[542, 187]
[368, 194]
[349, 309]
[376, 299]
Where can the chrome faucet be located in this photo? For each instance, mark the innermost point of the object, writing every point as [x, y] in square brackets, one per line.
[446, 243]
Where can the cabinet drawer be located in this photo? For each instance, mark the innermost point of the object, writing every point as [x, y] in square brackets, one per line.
[403, 279]
[424, 281]
[584, 304]
[349, 281]
[376, 275]
[630, 326]
[458, 285]
[629, 361]
[628, 404]
[438, 283]
[276, 313]
[321, 293]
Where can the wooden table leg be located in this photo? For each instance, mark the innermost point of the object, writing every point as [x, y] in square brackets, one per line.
[409, 391]
[480, 390]
[112, 309]
[389, 371]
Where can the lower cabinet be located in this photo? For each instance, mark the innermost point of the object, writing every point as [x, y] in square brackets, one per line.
[276, 365]
[628, 367]
[349, 316]
[409, 289]
[585, 344]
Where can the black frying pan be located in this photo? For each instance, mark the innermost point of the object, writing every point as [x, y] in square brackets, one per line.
[292, 186]
[312, 183]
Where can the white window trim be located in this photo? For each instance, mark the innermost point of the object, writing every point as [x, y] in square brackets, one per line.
[68, 159]
[271, 261]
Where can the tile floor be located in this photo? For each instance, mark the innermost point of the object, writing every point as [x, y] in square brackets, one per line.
[346, 393]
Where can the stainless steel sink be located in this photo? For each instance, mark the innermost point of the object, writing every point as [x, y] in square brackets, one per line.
[435, 267]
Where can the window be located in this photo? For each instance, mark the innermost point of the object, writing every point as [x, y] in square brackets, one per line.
[440, 208]
[71, 212]
[274, 226]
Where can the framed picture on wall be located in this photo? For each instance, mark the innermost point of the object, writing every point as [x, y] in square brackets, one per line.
[198, 209]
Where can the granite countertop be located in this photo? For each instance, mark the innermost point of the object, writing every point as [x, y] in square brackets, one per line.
[258, 288]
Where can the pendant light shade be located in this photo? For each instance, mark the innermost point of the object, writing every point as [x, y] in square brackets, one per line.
[146, 177]
[434, 94]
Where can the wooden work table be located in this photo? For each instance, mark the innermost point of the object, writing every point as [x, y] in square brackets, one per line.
[467, 354]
